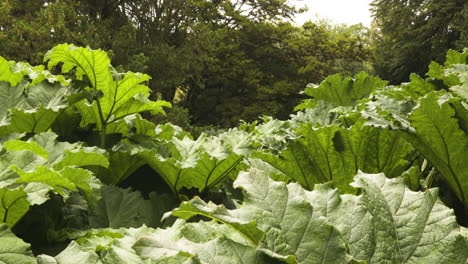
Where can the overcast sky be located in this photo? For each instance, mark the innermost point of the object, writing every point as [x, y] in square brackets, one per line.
[338, 11]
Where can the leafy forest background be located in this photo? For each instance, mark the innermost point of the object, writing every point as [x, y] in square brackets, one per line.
[222, 61]
[349, 168]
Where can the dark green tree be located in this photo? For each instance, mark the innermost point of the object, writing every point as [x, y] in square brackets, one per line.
[413, 33]
[260, 68]
[231, 59]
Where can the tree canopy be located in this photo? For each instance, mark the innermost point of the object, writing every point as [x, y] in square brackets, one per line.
[223, 60]
[413, 33]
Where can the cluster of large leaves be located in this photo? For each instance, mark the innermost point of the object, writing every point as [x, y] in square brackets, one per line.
[187, 163]
[31, 98]
[334, 154]
[279, 222]
[33, 168]
[330, 143]
[35, 164]
[350, 125]
[432, 115]
[342, 91]
[114, 95]
[335, 96]
[112, 106]
[13, 249]
[358, 123]
[35, 101]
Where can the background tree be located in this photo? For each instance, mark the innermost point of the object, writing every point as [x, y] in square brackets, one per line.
[413, 33]
[231, 59]
[261, 68]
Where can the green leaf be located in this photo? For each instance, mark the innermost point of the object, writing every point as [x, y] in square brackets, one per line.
[376, 150]
[83, 156]
[461, 91]
[346, 91]
[83, 179]
[12, 249]
[461, 70]
[364, 85]
[125, 208]
[418, 87]
[31, 169]
[121, 165]
[335, 154]
[388, 110]
[63, 154]
[73, 254]
[188, 150]
[133, 125]
[112, 246]
[32, 121]
[203, 242]
[67, 124]
[321, 114]
[163, 131]
[116, 96]
[391, 224]
[271, 134]
[200, 163]
[47, 176]
[23, 159]
[206, 173]
[139, 103]
[283, 214]
[99, 239]
[454, 57]
[7, 75]
[11, 97]
[92, 63]
[33, 110]
[437, 135]
[155, 207]
[89, 113]
[154, 247]
[271, 171]
[133, 100]
[117, 208]
[13, 206]
[17, 145]
[37, 193]
[197, 206]
[437, 71]
[294, 163]
[412, 178]
[36, 74]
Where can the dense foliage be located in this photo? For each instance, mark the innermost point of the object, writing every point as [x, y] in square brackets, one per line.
[209, 56]
[413, 33]
[362, 173]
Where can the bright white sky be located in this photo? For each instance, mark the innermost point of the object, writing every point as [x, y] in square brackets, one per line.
[338, 11]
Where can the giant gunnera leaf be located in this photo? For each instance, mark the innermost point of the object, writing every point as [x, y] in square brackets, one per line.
[388, 223]
[342, 91]
[283, 223]
[335, 154]
[283, 213]
[12, 249]
[30, 169]
[31, 98]
[125, 208]
[188, 163]
[437, 134]
[115, 95]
